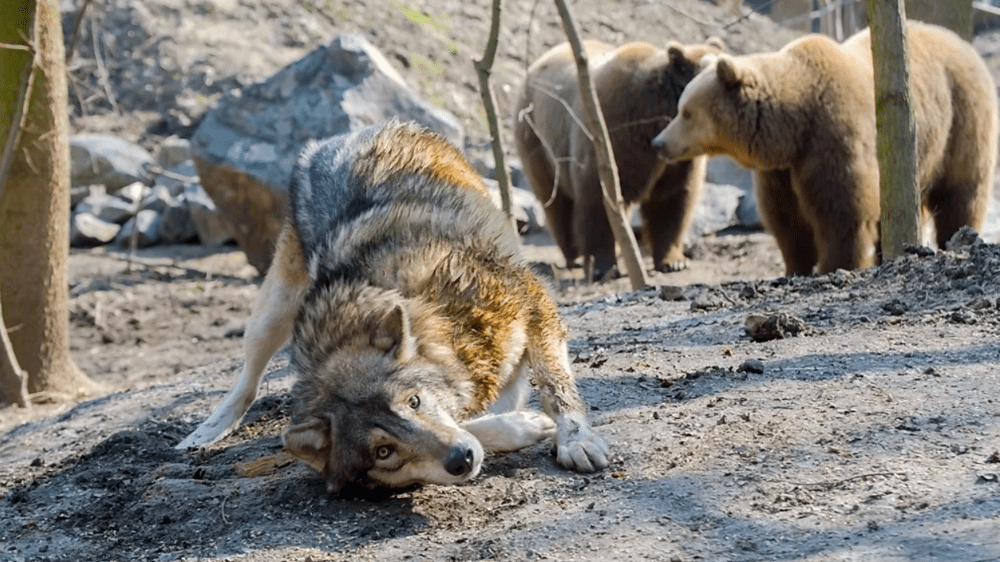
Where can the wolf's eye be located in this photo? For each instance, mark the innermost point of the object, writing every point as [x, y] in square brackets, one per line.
[383, 452]
[414, 401]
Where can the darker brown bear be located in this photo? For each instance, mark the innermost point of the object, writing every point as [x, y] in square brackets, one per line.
[638, 86]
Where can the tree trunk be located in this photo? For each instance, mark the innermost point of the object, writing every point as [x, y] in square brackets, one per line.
[897, 141]
[956, 15]
[34, 203]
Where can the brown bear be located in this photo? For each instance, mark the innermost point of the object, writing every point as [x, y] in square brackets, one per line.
[803, 119]
[638, 85]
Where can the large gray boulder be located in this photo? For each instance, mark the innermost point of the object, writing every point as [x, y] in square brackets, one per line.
[106, 160]
[245, 148]
[212, 228]
[716, 210]
[723, 170]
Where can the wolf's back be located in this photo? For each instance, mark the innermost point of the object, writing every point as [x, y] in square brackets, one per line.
[395, 185]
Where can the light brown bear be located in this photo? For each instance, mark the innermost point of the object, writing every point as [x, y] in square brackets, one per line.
[638, 85]
[804, 120]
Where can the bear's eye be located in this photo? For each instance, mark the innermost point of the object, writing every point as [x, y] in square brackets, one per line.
[414, 401]
[686, 114]
[383, 452]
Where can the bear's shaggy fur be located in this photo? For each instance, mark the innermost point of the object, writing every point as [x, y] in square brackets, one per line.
[638, 85]
[804, 120]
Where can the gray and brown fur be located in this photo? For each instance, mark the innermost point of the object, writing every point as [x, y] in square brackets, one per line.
[638, 85]
[412, 319]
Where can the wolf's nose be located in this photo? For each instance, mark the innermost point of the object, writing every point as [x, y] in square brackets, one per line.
[459, 460]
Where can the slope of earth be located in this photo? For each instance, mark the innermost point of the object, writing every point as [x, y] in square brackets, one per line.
[156, 67]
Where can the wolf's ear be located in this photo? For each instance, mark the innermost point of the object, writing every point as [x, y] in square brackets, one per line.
[310, 441]
[394, 334]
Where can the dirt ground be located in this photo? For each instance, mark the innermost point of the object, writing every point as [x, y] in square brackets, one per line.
[874, 434]
[871, 435]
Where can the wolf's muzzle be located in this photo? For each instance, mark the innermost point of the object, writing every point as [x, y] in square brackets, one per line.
[459, 460]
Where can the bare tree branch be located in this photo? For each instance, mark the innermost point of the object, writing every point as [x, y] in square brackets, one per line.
[484, 68]
[11, 391]
[614, 204]
[75, 36]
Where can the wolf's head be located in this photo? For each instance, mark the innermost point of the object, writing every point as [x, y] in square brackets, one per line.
[377, 398]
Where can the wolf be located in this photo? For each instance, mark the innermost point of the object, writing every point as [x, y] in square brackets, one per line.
[413, 322]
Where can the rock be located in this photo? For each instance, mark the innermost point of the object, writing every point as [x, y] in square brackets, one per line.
[211, 226]
[173, 151]
[245, 148]
[78, 193]
[525, 208]
[107, 208]
[671, 293]
[716, 210]
[133, 193]
[86, 230]
[762, 327]
[723, 170]
[147, 223]
[159, 198]
[747, 214]
[107, 160]
[963, 240]
[176, 225]
[896, 307]
[177, 177]
[483, 162]
[755, 366]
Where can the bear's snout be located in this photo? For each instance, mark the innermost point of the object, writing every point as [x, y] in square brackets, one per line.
[661, 147]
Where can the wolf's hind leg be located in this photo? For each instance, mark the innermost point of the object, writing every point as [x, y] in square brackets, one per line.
[270, 326]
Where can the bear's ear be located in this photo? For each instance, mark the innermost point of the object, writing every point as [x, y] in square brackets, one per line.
[718, 43]
[729, 73]
[676, 53]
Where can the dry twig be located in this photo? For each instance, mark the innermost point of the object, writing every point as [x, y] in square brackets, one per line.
[614, 205]
[484, 67]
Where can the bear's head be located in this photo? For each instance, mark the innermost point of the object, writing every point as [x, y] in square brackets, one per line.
[684, 62]
[708, 112]
[687, 60]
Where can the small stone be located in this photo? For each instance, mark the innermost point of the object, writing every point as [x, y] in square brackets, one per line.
[755, 366]
[671, 293]
[761, 327]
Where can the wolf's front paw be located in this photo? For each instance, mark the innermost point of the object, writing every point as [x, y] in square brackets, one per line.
[534, 426]
[577, 447]
[511, 431]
